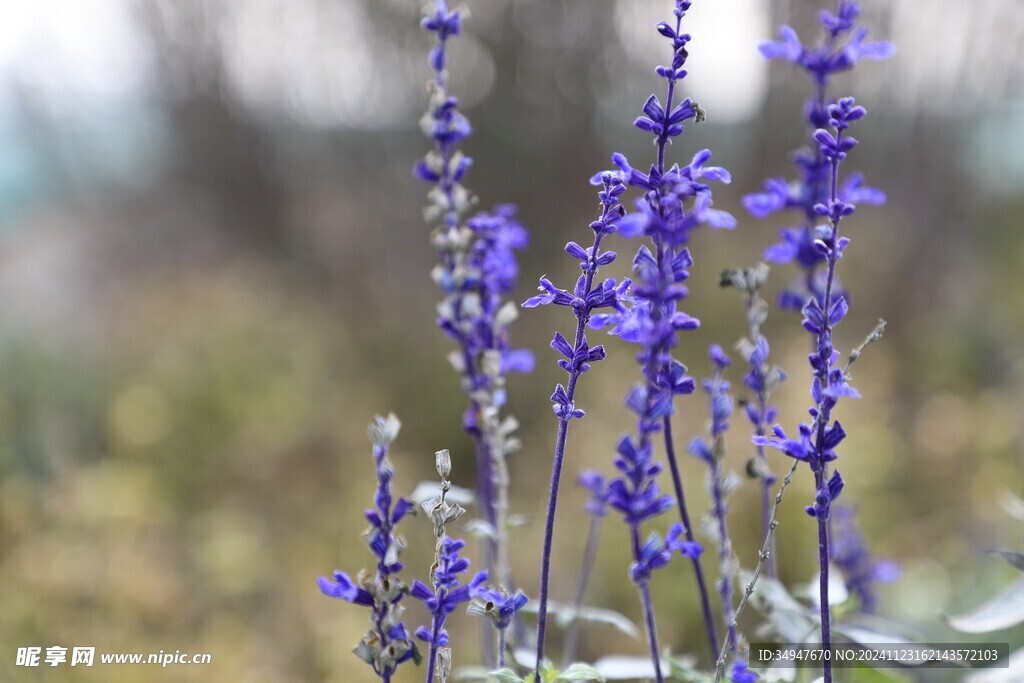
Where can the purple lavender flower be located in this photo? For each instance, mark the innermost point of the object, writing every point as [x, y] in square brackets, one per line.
[676, 201]
[447, 592]
[818, 440]
[761, 379]
[711, 453]
[499, 607]
[387, 644]
[842, 45]
[861, 572]
[578, 356]
[477, 270]
[741, 673]
[446, 595]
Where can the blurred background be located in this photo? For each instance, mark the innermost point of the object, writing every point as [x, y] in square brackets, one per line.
[214, 272]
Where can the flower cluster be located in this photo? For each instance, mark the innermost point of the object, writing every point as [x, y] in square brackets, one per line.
[761, 379]
[741, 673]
[594, 482]
[387, 644]
[447, 593]
[842, 45]
[499, 607]
[477, 268]
[586, 297]
[852, 557]
[719, 486]
[676, 201]
[818, 440]
[578, 355]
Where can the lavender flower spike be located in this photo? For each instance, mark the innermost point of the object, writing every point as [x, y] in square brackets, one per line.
[842, 45]
[818, 440]
[387, 644]
[476, 272]
[578, 355]
[500, 607]
[852, 557]
[761, 379]
[676, 201]
[446, 594]
[719, 486]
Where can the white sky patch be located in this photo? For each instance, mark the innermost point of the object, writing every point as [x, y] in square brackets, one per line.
[322, 64]
[968, 63]
[727, 74]
[67, 52]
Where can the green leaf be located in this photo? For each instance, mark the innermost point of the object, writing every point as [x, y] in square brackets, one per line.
[471, 674]
[866, 674]
[505, 676]
[789, 619]
[682, 671]
[1014, 558]
[1012, 504]
[1001, 612]
[566, 614]
[580, 672]
[480, 528]
[880, 633]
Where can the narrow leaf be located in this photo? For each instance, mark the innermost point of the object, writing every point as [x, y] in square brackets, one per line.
[506, 676]
[1001, 612]
[580, 672]
[1014, 558]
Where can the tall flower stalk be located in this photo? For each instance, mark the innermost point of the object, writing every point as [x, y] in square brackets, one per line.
[761, 379]
[578, 356]
[817, 440]
[818, 248]
[476, 271]
[675, 202]
[445, 592]
[387, 644]
[719, 487]
[842, 44]
[597, 508]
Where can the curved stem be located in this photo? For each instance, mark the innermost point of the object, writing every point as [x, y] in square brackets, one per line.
[821, 471]
[549, 529]
[724, 556]
[677, 483]
[761, 561]
[572, 635]
[647, 605]
[826, 625]
[582, 318]
[435, 628]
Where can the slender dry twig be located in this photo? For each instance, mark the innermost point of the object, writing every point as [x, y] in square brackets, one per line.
[764, 554]
[762, 558]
